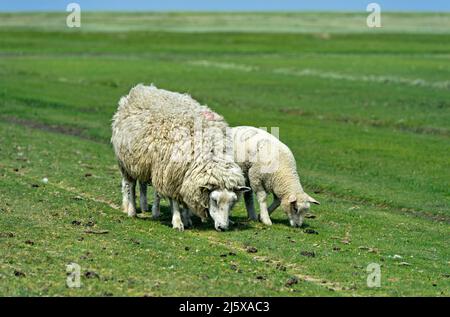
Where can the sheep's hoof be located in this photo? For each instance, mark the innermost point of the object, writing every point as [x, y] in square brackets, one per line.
[131, 214]
[266, 221]
[178, 225]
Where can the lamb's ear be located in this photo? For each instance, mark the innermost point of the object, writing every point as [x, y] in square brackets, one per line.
[311, 200]
[242, 189]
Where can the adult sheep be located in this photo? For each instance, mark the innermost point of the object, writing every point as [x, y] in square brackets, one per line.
[269, 167]
[181, 147]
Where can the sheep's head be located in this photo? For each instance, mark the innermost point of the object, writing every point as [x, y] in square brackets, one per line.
[221, 201]
[296, 206]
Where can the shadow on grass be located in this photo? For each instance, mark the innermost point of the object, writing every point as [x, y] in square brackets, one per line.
[165, 218]
[240, 223]
[285, 222]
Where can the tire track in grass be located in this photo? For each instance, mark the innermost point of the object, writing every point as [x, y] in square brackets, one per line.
[308, 72]
[442, 132]
[389, 79]
[294, 269]
[221, 65]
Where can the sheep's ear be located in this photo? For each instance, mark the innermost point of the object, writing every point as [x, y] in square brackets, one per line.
[243, 189]
[293, 206]
[311, 200]
[206, 188]
[292, 199]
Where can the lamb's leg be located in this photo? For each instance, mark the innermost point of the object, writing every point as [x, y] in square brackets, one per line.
[143, 196]
[129, 197]
[275, 204]
[264, 213]
[155, 206]
[249, 205]
[177, 223]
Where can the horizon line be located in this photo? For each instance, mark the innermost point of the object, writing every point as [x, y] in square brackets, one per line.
[227, 11]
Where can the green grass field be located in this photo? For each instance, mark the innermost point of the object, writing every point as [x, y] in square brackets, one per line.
[366, 113]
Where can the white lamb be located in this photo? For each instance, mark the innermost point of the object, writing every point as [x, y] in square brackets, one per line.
[180, 147]
[270, 167]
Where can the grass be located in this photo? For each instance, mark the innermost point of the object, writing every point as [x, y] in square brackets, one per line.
[366, 115]
[252, 22]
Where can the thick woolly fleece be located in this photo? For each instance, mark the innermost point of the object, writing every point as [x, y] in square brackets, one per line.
[175, 143]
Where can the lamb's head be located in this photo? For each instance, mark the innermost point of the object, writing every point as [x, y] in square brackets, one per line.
[296, 205]
[221, 201]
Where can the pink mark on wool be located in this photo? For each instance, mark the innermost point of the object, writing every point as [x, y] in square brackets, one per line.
[209, 115]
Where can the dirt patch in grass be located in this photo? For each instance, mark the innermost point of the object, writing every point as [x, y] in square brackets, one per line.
[54, 128]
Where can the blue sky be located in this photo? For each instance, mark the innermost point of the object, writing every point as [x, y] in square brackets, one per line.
[226, 5]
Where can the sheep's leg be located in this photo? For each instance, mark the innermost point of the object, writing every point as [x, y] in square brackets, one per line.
[124, 196]
[264, 213]
[275, 204]
[177, 223]
[132, 199]
[129, 197]
[186, 217]
[249, 205]
[155, 206]
[143, 196]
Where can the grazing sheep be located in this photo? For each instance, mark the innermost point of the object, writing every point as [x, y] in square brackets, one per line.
[269, 167]
[180, 147]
